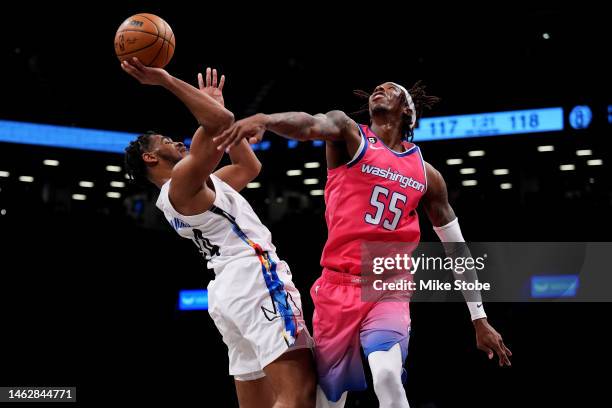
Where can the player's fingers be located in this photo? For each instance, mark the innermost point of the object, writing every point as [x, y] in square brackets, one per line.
[223, 135]
[501, 355]
[508, 352]
[236, 139]
[253, 140]
[505, 350]
[130, 70]
[200, 81]
[208, 72]
[225, 138]
[488, 351]
[137, 64]
[222, 82]
[214, 78]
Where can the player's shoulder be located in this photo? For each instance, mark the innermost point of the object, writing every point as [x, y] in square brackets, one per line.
[341, 119]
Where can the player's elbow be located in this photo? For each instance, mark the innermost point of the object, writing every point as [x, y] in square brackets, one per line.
[226, 119]
[254, 169]
[221, 122]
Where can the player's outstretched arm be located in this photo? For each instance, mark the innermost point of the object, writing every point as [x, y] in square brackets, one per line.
[331, 126]
[446, 225]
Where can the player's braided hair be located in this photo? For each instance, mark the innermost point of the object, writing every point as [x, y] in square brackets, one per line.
[421, 100]
[134, 164]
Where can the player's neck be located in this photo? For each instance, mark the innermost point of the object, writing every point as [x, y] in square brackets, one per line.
[389, 131]
[160, 176]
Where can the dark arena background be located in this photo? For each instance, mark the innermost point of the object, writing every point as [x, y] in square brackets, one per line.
[90, 281]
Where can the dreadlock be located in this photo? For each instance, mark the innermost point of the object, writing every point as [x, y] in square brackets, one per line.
[134, 165]
[421, 100]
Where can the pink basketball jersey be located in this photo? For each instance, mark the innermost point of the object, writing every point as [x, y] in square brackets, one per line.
[372, 198]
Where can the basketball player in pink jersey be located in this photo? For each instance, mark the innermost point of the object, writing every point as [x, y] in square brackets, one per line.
[375, 182]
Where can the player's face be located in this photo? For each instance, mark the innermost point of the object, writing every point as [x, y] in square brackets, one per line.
[169, 150]
[385, 98]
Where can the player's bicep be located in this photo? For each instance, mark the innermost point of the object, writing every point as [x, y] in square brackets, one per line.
[190, 173]
[334, 126]
[435, 200]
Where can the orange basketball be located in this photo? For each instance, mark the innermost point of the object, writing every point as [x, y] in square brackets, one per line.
[147, 37]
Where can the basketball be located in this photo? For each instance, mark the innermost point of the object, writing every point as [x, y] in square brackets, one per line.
[147, 37]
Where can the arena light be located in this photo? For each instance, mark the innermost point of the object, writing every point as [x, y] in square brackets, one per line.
[310, 181]
[505, 186]
[126, 176]
[501, 172]
[49, 162]
[265, 145]
[554, 286]
[567, 167]
[79, 197]
[454, 162]
[26, 179]
[292, 173]
[312, 165]
[254, 185]
[469, 183]
[117, 184]
[546, 36]
[86, 184]
[3, 211]
[64, 136]
[595, 162]
[546, 148]
[113, 194]
[585, 152]
[317, 192]
[468, 170]
[4, 174]
[476, 153]
[193, 299]
[114, 169]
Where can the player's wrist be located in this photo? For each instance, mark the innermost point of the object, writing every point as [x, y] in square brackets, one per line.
[480, 322]
[264, 119]
[166, 80]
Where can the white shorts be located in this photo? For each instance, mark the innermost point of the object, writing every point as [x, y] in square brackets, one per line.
[258, 311]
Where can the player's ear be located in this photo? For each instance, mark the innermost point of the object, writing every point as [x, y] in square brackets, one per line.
[407, 111]
[149, 158]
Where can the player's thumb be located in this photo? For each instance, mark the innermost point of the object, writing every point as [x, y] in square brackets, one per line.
[487, 350]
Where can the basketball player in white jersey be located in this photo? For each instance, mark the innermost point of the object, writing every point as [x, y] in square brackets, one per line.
[252, 299]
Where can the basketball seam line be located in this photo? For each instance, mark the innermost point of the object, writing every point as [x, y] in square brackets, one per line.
[160, 48]
[167, 48]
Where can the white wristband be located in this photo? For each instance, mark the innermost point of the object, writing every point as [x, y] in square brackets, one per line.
[451, 232]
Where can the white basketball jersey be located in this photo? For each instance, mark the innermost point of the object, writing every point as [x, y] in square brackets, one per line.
[228, 231]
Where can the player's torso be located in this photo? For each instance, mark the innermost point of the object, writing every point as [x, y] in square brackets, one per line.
[228, 231]
[372, 198]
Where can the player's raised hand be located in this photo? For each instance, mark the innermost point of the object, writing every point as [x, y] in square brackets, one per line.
[251, 128]
[490, 341]
[211, 87]
[145, 75]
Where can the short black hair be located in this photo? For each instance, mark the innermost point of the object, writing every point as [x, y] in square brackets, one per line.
[421, 100]
[134, 164]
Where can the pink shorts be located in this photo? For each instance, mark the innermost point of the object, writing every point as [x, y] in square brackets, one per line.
[342, 323]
